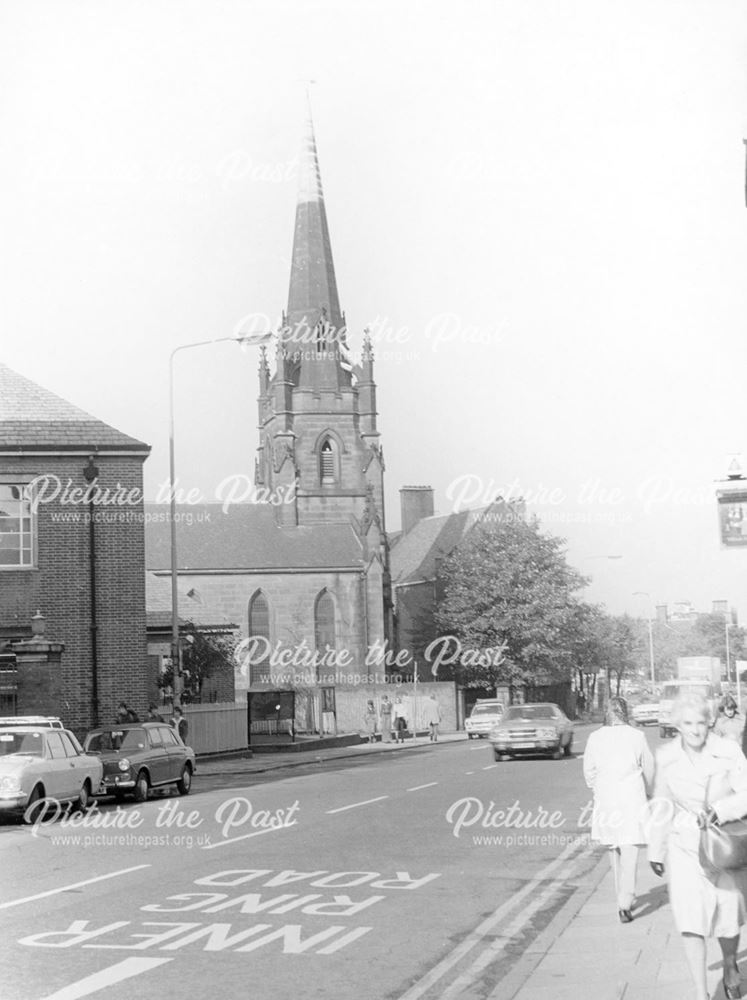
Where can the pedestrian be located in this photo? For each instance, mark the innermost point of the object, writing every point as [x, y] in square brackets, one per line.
[730, 724]
[432, 717]
[386, 719]
[400, 720]
[153, 714]
[180, 724]
[370, 719]
[698, 776]
[619, 768]
[125, 714]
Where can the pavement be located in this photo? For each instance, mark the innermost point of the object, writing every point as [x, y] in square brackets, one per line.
[260, 763]
[585, 952]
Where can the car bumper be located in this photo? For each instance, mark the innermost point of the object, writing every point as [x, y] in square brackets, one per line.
[526, 746]
[110, 785]
[13, 801]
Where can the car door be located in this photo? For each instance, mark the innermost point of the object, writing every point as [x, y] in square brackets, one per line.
[158, 759]
[79, 765]
[175, 752]
[59, 777]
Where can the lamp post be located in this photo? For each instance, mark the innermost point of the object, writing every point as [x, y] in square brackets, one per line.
[244, 341]
[643, 593]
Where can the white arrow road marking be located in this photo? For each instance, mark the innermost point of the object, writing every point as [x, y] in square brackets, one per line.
[107, 977]
[67, 888]
[418, 787]
[489, 767]
[477, 936]
[356, 804]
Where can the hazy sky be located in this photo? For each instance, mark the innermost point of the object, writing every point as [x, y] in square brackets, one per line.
[538, 207]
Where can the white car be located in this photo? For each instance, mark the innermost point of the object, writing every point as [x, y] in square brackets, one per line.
[647, 713]
[486, 714]
[38, 762]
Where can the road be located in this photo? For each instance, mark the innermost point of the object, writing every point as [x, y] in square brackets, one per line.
[408, 876]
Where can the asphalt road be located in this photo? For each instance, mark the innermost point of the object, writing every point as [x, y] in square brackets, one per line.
[407, 876]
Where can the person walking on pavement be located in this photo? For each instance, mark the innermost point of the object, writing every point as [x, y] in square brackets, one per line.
[180, 724]
[370, 719]
[432, 717]
[400, 721]
[699, 777]
[730, 724]
[153, 714]
[619, 769]
[126, 714]
[386, 719]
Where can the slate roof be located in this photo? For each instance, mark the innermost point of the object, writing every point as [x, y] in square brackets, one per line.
[34, 419]
[245, 537]
[191, 609]
[413, 557]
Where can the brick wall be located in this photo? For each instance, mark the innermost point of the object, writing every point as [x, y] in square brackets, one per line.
[60, 586]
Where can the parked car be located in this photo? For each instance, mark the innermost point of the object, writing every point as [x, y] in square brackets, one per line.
[533, 729]
[139, 756]
[484, 716]
[50, 721]
[646, 713]
[38, 762]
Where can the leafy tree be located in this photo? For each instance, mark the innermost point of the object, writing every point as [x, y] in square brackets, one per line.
[203, 656]
[509, 586]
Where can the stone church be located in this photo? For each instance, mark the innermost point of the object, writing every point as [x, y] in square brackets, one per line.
[305, 570]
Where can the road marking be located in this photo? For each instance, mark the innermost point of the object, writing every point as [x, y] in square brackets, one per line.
[244, 836]
[67, 888]
[476, 936]
[418, 787]
[489, 767]
[356, 804]
[107, 977]
[469, 772]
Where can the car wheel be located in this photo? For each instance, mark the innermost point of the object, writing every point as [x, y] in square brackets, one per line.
[84, 799]
[142, 787]
[34, 810]
[568, 747]
[184, 784]
[557, 754]
[469, 736]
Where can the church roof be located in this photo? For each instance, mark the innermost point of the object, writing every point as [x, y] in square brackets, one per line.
[34, 419]
[245, 537]
[413, 557]
[192, 608]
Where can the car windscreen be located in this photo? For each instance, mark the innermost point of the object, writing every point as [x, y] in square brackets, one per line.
[518, 712]
[116, 739]
[487, 710]
[25, 743]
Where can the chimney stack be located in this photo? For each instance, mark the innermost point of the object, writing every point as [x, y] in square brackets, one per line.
[416, 502]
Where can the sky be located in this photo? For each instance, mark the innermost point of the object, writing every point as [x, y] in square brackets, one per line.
[537, 208]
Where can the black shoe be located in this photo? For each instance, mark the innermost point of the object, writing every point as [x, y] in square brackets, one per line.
[626, 917]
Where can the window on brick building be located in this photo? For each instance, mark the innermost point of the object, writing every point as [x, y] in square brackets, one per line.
[328, 463]
[16, 527]
[259, 625]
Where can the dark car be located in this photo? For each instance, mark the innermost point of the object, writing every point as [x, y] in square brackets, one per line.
[142, 755]
[541, 728]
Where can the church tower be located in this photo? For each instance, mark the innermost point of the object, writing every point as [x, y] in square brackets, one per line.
[317, 413]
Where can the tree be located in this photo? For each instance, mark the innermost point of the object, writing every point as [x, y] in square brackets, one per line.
[508, 587]
[204, 656]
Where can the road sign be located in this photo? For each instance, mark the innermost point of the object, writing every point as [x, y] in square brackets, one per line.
[732, 514]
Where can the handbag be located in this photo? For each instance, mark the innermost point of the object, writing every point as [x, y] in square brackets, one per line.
[724, 846]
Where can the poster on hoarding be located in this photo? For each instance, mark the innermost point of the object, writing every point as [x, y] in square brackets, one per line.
[732, 513]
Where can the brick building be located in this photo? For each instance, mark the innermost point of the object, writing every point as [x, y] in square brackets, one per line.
[71, 547]
[305, 567]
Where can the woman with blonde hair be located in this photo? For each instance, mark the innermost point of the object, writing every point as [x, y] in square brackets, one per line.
[699, 776]
[619, 768]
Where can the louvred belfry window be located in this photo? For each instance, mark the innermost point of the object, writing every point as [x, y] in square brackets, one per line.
[328, 468]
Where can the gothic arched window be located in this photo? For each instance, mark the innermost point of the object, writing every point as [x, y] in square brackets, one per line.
[324, 626]
[259, 625]
[328, 463]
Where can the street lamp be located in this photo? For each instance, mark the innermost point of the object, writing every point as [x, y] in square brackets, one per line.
[643, 593]
[248, 340]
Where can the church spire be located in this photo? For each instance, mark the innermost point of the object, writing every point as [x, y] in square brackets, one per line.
[314, 316]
